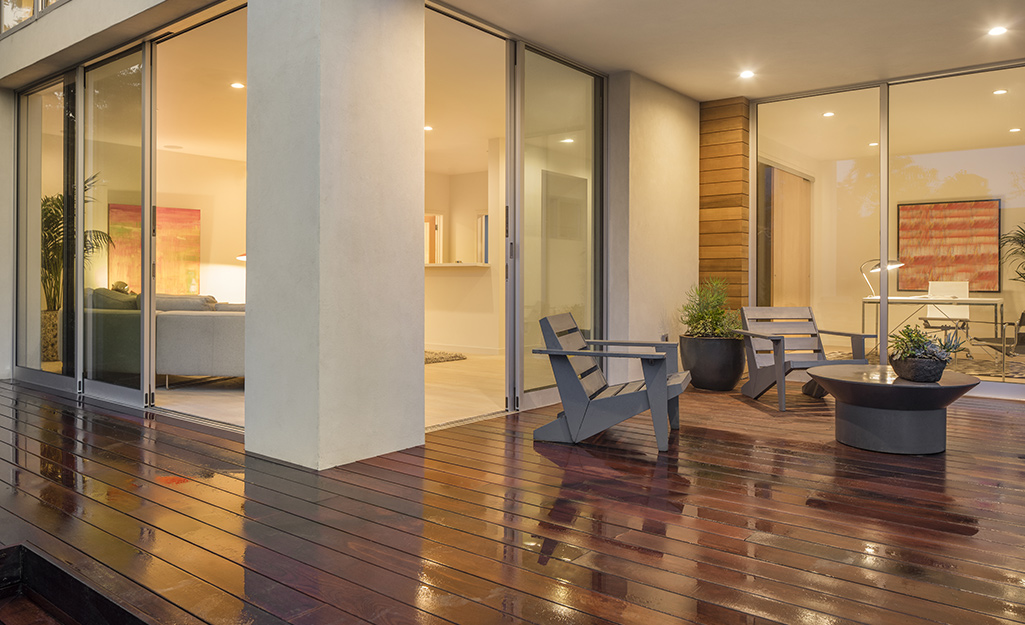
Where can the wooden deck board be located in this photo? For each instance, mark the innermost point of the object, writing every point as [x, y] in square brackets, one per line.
[752, 517]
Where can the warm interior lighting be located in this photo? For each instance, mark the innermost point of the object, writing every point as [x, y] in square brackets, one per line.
[997, 30]
[747, 74]
[566, 141]
[874, 144]
[428, 127]
[828, 114]
[1000, 92]
[237, 85]
[1015, 129]
[241, 257]
[875, 263]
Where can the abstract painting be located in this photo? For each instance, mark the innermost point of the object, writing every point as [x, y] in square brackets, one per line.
[177, 248]
[949, 241]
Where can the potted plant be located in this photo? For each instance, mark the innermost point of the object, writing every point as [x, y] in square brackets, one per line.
[916, 356]
[711, 349]
[52, 269]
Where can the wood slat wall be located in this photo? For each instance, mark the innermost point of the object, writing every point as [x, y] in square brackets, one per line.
[724, 214]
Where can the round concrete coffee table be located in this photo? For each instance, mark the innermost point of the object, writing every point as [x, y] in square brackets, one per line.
[878, 411]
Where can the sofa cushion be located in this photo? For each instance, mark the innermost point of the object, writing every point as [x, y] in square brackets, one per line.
[166, 301]
[224, 306]
[107, 299]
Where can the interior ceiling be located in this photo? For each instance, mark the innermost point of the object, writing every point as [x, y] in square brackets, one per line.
[198, 112]
[693, 46]
[699, 48]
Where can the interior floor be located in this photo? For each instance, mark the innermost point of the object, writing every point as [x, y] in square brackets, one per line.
[453, 391]
[460, 389]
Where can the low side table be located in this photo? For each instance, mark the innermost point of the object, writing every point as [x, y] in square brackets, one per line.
[879, 411]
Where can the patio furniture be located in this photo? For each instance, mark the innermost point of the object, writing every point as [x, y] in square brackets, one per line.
[779, 340]
[878, 411]
[590, 404]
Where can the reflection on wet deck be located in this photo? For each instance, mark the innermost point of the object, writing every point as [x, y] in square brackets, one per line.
[752, 516]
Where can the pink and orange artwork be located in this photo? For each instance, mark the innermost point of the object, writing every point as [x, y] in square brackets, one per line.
[949, 241]
[176, 254]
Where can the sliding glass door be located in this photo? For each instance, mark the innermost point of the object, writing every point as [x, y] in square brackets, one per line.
[80, 232]
[114, 224]
[46, 235]
[559, 218]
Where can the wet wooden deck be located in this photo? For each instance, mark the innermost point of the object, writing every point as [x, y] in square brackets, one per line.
[752, 517]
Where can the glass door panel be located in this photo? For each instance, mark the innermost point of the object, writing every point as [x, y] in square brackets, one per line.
[112, 222]
[560, 199]
[818, 208]
[46, 231]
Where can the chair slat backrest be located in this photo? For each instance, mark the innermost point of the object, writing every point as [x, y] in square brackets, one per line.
[561, 332]
[796, 324]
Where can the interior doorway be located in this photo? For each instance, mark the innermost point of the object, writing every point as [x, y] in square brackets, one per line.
[199, 180]
[464, 221]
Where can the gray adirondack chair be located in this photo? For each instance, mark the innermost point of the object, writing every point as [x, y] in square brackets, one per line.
[590, 404]
[780, 340]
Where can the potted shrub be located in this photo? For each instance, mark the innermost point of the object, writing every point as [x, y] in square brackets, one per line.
[916, 356]
[52, 272]
[711, 349]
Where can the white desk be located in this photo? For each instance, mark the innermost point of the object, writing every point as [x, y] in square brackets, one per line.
[923, 300]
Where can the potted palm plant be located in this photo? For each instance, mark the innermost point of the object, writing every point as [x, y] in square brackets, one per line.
[711, 349]
[916, 356]
[52, 268]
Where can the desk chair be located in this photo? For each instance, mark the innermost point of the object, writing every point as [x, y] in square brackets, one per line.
[947, 317]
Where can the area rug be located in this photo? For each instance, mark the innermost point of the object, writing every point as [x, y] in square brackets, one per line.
[431, 358]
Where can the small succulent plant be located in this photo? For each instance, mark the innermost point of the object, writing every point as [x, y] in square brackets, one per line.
[912, 342]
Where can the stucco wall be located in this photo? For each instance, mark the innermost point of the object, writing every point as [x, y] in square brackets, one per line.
[653, 209]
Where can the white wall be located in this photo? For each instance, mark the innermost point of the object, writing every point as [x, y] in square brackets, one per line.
[217, 188]
[7, 204]
[464, 307]
[653, 209]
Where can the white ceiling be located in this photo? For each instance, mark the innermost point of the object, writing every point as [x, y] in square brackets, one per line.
[696, 47]
[699, 47]
[197, 109]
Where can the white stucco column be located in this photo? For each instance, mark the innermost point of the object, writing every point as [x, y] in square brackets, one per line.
[653, 210]
[8, 123]
[335, 295]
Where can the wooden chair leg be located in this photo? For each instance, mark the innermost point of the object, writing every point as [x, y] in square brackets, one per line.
[674, 413]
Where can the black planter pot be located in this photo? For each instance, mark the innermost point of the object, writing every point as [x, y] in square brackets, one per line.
[918, 369]
[715, 364]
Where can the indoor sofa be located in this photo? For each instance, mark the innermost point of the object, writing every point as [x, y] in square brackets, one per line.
[195, 334]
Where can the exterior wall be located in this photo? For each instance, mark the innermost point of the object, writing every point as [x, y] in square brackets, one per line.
[77, 31]
[7, 204]
[335, 290]
[653, 209]
[725, 194]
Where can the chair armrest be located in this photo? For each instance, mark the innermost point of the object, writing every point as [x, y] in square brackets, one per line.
[584, 352]
[758, 335]
[631, 343]
[850, 334]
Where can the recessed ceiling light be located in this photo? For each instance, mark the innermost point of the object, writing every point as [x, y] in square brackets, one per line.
[237, 85]
[1015, 129]
[874, 144]
[747, 74]
[997, 30]
[1000, 92]
[566, 141]
[172, 147]
[428, 127]
[828, 114]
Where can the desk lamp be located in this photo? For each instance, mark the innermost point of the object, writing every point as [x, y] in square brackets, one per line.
[876, 268]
